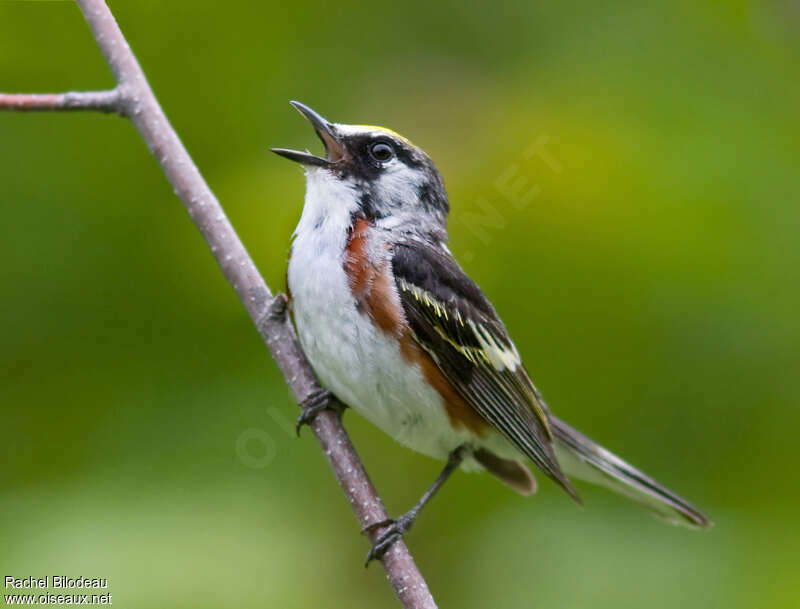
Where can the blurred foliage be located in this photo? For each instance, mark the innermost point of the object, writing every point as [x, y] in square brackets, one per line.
[658, 309]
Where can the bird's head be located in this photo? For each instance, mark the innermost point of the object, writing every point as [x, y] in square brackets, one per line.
[373, 172]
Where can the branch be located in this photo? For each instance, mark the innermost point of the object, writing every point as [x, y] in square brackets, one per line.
[100, 101]
[133, 98]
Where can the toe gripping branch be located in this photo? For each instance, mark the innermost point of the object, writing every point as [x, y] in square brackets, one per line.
[395, 528]
[315, 403]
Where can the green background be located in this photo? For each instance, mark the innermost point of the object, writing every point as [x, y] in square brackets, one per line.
[651, 285]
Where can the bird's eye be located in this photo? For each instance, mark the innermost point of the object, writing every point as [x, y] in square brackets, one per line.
[381, 152]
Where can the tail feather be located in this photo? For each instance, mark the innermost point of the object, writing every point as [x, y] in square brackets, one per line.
[581, 457]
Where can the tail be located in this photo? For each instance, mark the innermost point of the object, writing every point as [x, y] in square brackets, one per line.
[582, 458]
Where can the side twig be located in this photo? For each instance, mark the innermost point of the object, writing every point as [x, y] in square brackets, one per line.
[133, 98]
[98, 101]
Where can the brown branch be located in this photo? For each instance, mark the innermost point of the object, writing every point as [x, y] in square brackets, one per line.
[98, 101]
[134, 98]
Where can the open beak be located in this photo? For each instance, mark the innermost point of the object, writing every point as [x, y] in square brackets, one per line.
[334, 151]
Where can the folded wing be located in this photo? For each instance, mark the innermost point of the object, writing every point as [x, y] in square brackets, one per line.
[457, 326]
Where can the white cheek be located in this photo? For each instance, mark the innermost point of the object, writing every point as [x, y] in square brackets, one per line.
[399, 184]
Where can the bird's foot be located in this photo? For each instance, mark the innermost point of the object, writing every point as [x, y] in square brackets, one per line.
[316, 403]
[397, 527]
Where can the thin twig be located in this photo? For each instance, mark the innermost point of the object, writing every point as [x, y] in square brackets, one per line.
[98, 101]
[134, 98]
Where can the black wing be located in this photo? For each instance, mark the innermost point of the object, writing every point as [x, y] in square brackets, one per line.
[458, 327]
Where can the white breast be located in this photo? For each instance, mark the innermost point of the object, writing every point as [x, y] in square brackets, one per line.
[352, 358]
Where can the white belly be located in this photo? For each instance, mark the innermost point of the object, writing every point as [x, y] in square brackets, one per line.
[361, 365]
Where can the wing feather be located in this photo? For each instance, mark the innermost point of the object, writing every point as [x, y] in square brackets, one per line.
[457, 326]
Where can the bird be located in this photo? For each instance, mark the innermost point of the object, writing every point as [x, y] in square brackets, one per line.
[396, 330]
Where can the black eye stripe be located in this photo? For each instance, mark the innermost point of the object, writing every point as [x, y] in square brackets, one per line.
[363, 165]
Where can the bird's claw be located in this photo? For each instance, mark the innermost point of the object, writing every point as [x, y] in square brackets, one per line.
[397, 527]
[377, 525]
[314, 404]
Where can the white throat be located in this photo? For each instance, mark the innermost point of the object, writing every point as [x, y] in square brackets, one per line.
[329, 205]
